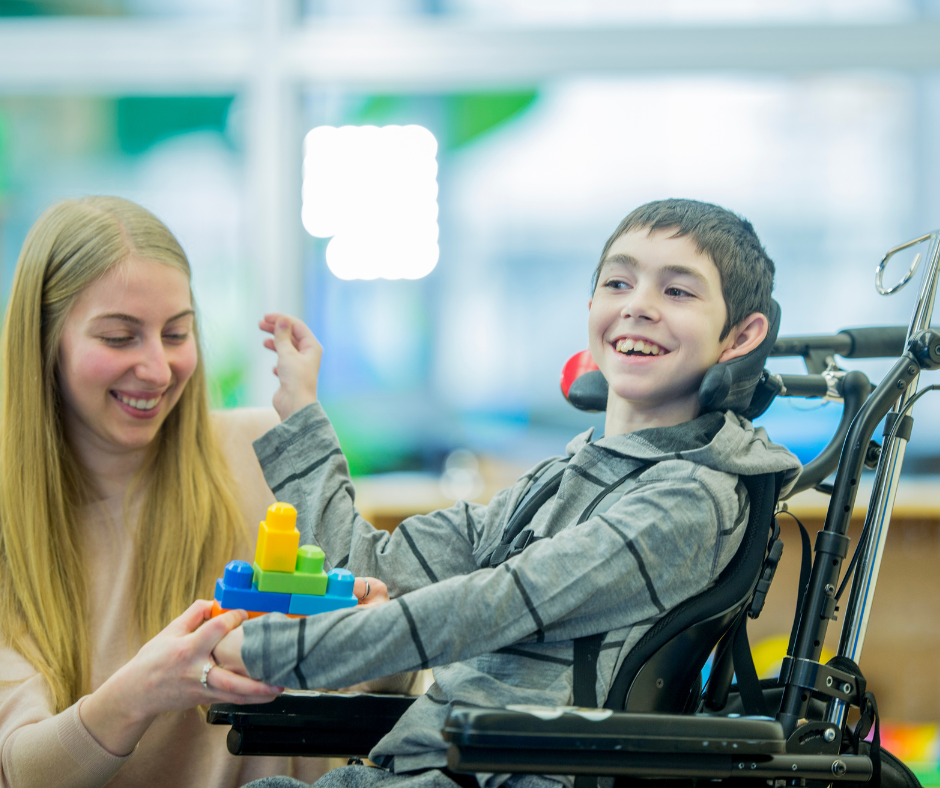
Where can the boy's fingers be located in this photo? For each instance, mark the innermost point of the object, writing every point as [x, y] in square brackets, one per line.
[282, 335]
[226, 681]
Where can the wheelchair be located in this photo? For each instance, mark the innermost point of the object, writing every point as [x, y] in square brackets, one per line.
[658, 722]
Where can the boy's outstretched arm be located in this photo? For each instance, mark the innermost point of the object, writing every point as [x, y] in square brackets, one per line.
[627, 566]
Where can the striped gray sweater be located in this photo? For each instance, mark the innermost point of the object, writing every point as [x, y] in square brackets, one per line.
[499, 636]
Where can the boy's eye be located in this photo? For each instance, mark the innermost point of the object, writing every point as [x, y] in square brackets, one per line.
[617, 284]
[176, 337]
[677, 292]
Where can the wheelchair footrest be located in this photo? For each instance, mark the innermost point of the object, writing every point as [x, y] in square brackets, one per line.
[323, 724]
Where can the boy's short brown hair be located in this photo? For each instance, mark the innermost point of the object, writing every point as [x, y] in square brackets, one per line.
[746, 272]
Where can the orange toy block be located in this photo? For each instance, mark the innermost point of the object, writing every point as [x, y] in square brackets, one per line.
[218, 611]
[278, 539]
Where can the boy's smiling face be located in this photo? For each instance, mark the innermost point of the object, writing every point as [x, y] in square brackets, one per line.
[660, 291]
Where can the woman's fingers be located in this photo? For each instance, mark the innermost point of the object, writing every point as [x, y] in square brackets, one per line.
[191, 619]
[370, 591]
[209, 634]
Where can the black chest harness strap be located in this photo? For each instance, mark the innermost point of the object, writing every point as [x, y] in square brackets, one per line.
[516, 538]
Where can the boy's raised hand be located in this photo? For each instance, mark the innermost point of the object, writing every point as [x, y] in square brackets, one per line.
[298, 362]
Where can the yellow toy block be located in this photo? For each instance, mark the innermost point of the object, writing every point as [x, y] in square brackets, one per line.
[278, 539]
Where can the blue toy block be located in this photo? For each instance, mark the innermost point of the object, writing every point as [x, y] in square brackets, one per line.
[309, 605]
[231, 591]
[339, 582]
[339, 595]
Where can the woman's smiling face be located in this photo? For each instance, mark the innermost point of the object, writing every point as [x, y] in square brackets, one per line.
[126, 354]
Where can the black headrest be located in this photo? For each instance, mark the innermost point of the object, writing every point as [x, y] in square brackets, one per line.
[739, 385]
[731, 384]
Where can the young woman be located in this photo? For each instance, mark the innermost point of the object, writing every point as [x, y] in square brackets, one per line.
[121, 500]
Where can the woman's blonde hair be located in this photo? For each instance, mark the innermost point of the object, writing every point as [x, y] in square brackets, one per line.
[190, 523]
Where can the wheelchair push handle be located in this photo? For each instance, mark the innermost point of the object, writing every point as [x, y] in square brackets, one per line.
[873, 342]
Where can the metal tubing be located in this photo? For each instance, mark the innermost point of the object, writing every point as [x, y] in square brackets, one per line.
[858, 606]
[827, 564]
[854, 388]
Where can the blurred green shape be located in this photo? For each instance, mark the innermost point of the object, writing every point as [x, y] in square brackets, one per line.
[6, 157]
[467, 116]
[471, 115]
[143, 121]
[227, 387]
[62, 8]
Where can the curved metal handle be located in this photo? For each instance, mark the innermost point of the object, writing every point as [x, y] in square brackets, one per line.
[879, 271]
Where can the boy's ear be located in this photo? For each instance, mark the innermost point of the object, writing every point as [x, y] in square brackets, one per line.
[745, 336]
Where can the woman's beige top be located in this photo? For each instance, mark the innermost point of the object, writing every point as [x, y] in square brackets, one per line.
[38, 748]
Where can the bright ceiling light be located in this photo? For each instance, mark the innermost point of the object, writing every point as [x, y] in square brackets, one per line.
[373, 190]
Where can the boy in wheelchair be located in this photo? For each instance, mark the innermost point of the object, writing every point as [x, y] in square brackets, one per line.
[602, 542]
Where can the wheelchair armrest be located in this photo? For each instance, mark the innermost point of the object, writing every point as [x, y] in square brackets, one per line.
[542, 740]
[324, 724]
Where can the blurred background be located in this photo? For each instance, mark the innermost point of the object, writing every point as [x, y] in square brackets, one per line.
[551, 119]
[531, 128]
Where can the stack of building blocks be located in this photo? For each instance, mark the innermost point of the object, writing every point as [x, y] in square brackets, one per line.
[286, 577]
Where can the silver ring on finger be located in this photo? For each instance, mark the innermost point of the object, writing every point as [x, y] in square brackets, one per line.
[368, 590]
[205, 673]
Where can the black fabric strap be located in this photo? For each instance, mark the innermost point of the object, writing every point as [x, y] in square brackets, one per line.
[585, 515]
[522, 517]
[752, 698]
[586, 652]
[870, 719]
[805, 567]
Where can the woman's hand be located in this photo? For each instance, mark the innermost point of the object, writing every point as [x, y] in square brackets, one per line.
[298, 362]
[370, 591]
[165, 675]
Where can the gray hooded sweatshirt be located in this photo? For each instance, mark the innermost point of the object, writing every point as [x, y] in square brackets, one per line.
[504, 635]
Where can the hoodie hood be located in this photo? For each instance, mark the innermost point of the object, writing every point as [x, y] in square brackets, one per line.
[722, 441]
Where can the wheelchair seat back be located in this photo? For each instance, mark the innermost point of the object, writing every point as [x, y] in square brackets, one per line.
[662, 671]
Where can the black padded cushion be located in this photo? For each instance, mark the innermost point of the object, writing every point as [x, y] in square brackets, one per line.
[730, 592]
[731, 384]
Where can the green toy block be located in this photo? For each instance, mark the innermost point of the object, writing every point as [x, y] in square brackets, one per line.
[308, 578]
[310, 559]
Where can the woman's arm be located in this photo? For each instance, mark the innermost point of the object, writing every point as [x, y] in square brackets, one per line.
[95, 736]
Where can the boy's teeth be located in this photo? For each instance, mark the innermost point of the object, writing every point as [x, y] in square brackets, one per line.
[639, 346]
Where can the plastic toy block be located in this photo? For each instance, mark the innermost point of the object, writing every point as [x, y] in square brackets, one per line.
[339, 595]
[308, 578]
[218, 610]
[340, 583]
[231, 593]
[310, 560]
[278, 539]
